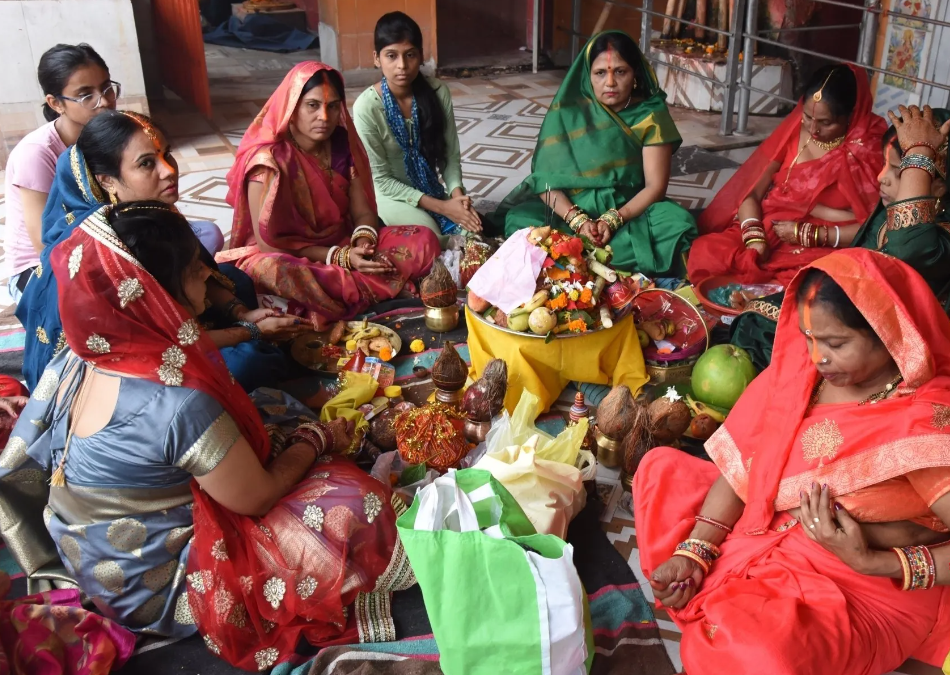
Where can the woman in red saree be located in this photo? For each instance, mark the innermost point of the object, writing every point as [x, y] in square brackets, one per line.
[818, 168]
[852, 417]
[305, 224]
[256, 536]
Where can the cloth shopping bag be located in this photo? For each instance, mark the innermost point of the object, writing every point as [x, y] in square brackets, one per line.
[550, 493]
[500, 597]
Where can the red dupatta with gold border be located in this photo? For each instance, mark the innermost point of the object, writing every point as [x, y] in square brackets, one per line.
[766, 452]
[302, 206]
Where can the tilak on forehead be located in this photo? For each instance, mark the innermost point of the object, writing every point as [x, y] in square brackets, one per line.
[806, 318]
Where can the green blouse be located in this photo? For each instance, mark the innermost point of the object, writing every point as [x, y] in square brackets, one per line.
[385, 155]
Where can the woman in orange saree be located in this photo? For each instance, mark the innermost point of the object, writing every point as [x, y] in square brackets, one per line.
[305, 225]
[817, 169]
[858, 417]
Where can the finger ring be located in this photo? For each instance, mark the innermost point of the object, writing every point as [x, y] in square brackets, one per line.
[817, 520]
[812, 526]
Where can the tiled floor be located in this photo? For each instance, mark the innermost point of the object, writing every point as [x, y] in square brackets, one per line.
[498, 120]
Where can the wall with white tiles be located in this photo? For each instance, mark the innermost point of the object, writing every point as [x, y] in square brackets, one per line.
[30, 27]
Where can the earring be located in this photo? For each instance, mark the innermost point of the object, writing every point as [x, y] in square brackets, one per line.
[112, 197]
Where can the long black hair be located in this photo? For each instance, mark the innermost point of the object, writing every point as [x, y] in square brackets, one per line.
[624, 45]
[392, 29]
[105, 138]
[818, 286]
[839, 89]
[160, 239]
[58, 64]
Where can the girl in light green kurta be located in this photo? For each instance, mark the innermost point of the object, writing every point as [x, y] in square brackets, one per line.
[605, 150]
[407, 124]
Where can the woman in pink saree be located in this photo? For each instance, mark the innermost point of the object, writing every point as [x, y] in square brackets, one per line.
[305, 224]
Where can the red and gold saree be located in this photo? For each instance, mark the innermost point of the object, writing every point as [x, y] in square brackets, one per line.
[776, 601]
[845, 178]
[304, 207]
[256, 586]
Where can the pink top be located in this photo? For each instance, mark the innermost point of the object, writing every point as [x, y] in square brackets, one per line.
[32, 165]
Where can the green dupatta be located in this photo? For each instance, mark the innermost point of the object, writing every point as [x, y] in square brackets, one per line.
[596, 156]
[584, 145]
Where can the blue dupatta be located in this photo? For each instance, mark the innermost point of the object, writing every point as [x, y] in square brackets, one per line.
[74, 196]
[422, 176]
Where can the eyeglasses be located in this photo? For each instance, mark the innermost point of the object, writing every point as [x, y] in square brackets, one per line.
[94, 100]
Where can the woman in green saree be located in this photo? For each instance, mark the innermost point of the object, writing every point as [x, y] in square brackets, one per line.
[910, 223]
[604, 151]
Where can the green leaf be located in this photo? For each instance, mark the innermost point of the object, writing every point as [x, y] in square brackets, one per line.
[412, 474]
[550, 336]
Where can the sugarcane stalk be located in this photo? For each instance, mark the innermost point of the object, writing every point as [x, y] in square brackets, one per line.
[605, 319]
[700, 33]
[602, 20]
[668, 22]
[680, 8]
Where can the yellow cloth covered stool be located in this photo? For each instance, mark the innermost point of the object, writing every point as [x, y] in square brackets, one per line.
[611, 356]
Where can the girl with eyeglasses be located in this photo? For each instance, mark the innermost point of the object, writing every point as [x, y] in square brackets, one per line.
[77, 85]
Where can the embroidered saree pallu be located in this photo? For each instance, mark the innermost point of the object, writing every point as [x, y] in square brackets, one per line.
[500, 598]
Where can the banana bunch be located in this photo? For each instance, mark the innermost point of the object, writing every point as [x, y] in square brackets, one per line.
[700, 408]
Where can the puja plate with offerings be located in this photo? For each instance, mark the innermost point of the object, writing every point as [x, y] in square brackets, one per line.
[322, 351]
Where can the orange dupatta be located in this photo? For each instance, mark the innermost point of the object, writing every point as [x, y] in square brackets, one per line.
[302, 207]
[760, 449]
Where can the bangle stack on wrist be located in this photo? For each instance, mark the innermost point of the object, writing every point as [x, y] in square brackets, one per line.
[918, 161]
[314, 434]
[577, 221]
[702, 552]
[342, 258]
[251, 328]
[917, 564]
[613, 219]
[364, 231]
[752, 232]
[811, 236]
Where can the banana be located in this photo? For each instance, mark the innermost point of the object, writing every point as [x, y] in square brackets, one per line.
[537, 300]
[703, 409]
[367, 333]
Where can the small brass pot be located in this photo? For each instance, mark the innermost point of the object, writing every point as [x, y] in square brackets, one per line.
[475, 432]
[449, 397]
[442, 319]
[608, 450]
[626, 480]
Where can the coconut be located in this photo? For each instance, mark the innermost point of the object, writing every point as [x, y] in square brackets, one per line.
[670, 418]
[486, 397]
[438, 289]
[449, 371]
[381, 430]
[615, 413]
[640, 439]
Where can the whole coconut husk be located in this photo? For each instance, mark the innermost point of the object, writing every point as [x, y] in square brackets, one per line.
[438, 289]
[640, 440]
[449, 371]
[381, 430]
[486, 397]
[670, 419]
[615, 413]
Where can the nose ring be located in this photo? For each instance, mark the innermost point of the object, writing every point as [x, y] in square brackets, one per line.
[825, 361]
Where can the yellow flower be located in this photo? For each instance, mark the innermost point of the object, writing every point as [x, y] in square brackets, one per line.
[574, 295]
[417, 346]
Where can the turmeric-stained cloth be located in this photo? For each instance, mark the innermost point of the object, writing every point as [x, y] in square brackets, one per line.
[51, 634]
[610, 356]
[303, 206]
[884, 462]
[844, 178]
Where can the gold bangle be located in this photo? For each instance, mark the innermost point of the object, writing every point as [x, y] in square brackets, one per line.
[695, 558]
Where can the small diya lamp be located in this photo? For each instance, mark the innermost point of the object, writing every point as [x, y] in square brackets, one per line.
[614, 420]
[440, 295]
[484, 400]
[449, 373]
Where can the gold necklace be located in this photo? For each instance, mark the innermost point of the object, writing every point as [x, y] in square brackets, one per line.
[872, 399]
[325, 162]
[830, 145]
